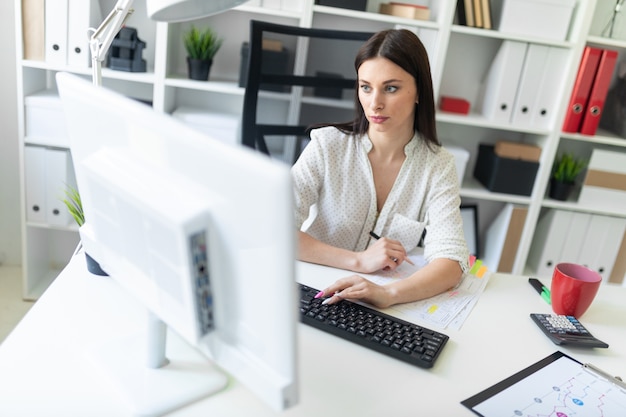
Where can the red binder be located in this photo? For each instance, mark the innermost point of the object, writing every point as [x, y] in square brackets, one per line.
[582, 88]
[600, 88]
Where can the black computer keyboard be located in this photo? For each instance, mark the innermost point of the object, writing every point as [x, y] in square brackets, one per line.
[370, 328]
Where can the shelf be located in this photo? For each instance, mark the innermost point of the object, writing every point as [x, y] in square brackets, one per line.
[269, 12]
[585, 208]
[490, 33]
[228, 87]
[471, 188]
[46, 141]
[45, 226]
[147, 77]
[602, 137]
[475, 119]
[607, 42]
[375, 17]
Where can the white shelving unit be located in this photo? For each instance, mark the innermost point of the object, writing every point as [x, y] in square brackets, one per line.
[583, 145]
[459, 55]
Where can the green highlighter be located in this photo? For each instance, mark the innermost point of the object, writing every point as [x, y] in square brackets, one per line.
[541, 289]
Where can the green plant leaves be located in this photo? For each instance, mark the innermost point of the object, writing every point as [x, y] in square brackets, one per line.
[74, 205]
[202, 44]
[567, 167]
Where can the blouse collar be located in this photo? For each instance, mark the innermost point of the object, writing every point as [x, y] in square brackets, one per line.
[408, 148]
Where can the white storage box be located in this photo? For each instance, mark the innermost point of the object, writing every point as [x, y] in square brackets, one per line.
[605, 182]
[549, 19]
[461, 156]
[221, 126]
[44, 119]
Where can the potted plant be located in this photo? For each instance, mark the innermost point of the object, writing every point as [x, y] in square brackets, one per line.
[201, 47]
[564, 173]
[75, 206]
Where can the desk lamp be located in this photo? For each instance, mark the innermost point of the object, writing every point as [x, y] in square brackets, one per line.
[160, 10]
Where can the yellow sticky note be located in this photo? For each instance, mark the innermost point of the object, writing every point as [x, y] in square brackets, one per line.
[481, 271]
[432, 308]
[476, 266]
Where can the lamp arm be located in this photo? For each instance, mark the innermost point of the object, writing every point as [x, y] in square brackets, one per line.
[101, 39]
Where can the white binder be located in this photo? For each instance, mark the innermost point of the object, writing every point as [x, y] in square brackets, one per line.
[82, 15]
[575, 237]
[35, 183]
[549, 88]
[588, 239]
[602, 243]
[532, 71]
[56, 31]
[59, 174]
[550, 234]
[430, 40]
[33, 26]
[500, 85]
[503, 237]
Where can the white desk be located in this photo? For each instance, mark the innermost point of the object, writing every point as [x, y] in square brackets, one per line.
[44, 371]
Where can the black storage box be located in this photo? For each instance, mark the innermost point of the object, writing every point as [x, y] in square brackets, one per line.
[344, 4]
[504, 175]
[274, 62]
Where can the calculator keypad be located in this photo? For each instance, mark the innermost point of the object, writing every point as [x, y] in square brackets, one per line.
[566, 330]
[564, 325]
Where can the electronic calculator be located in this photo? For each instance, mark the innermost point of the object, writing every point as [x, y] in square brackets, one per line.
[566, 330]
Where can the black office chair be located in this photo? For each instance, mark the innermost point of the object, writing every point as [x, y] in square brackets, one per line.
[275, 71]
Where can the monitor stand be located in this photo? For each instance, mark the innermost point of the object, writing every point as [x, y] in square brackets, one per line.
[151, 382]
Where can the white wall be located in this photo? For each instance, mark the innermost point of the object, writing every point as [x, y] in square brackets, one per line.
[10, 235]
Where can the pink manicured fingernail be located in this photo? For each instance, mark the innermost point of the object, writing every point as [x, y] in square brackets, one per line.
[319, 294]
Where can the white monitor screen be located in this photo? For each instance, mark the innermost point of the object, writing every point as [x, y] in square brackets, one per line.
[199, 231]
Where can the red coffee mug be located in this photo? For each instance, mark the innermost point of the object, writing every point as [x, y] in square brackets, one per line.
[573, 288]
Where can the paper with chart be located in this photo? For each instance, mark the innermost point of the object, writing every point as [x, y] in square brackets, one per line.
[450, 308]
[563, 388]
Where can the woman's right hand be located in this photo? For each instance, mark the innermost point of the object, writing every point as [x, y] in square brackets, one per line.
[384, 254]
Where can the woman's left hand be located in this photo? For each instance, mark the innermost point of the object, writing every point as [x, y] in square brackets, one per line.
[356, 287]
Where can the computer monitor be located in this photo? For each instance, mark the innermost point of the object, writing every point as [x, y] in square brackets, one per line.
[202, 233]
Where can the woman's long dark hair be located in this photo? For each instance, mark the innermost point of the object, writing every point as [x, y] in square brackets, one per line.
[403, 48]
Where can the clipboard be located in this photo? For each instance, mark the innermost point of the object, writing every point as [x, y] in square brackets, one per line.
[557, 385]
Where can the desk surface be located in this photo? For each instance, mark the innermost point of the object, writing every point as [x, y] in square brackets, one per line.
[44, 371]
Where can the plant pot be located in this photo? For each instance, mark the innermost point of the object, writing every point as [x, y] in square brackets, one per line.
[198, 69]
[94, 267]
[560, 190]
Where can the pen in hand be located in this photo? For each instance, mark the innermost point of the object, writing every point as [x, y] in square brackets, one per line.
[375, 236]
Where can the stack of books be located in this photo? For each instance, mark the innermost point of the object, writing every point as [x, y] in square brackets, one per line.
[475, 13]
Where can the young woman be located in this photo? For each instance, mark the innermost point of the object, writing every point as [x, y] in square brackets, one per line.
[384, 174]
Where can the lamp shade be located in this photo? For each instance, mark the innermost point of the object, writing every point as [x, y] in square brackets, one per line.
[181, 10]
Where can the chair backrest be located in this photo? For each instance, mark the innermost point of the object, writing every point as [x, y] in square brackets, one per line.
[272, 67]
